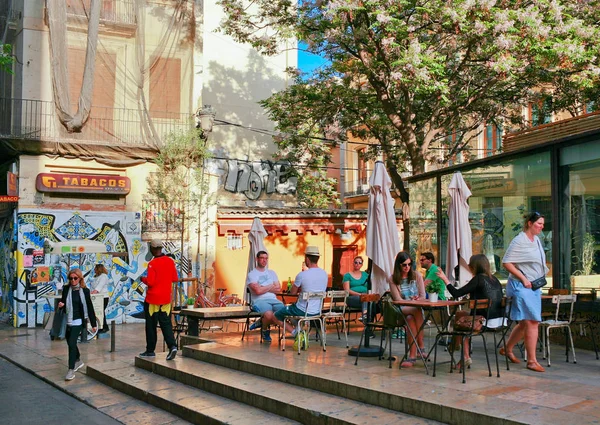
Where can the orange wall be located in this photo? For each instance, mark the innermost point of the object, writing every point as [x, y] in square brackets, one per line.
[286, 254]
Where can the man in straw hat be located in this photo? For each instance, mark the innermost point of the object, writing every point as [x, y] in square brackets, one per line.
[157, 305]
[313, 279]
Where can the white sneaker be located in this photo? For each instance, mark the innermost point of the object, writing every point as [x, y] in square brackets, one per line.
[70, 375]
[78, 365]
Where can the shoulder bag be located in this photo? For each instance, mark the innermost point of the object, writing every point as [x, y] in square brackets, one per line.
[541, 281]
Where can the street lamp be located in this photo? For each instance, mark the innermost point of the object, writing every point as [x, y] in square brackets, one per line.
[205, 118]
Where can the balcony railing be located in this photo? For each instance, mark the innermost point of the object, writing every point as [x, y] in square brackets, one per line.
[120, 12]
[36, 120]
[167, 216]
[359, 187]
[356, 187]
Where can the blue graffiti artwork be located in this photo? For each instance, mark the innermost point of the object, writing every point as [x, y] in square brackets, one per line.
[21, 314]
[42, 228]
[76, 228]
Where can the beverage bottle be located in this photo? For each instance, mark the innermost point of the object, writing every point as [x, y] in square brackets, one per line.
[289, 287]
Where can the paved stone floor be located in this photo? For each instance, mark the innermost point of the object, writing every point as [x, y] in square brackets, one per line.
[567, 393]
[33, 401]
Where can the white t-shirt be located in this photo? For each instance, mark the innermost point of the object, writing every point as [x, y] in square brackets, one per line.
[265, 278]
[101, 284]
[311, 280]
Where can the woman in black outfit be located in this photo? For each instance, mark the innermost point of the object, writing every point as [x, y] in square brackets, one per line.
[483, 286]
[77, 303]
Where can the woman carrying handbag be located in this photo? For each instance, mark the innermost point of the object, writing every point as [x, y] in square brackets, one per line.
[77, 302]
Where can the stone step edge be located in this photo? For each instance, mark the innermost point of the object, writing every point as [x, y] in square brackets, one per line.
[411, 406]
[267, 402]
[148, 396]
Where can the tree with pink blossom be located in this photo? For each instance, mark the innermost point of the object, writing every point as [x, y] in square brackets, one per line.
[407, 74]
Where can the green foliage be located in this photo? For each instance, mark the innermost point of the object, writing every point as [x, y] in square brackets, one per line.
[179, 183]
[408, 73]
[434, 287]
[317, 191]
[6, 58]
[180, 161]
[586, 259]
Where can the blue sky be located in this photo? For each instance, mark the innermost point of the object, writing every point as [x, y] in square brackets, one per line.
[307, 62]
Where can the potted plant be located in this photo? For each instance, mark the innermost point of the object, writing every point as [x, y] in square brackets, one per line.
[433, 290]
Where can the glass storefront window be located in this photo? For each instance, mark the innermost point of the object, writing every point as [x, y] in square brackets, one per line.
[579, 181]
[501, 195]
[423, 218]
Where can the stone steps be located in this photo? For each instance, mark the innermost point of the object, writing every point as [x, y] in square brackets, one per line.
[307, 406]
[187, 402]
[422, 400]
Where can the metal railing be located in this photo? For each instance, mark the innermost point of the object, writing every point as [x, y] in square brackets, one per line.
[166, 216]
[112, 11]
[359, 187]
[37, 120]
[356, 187]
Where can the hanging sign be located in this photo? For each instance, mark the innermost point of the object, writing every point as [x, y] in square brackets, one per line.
[11, 184]
[83, 183]
[4, 198]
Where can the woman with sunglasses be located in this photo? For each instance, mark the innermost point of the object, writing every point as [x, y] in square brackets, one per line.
[77, 302]
[407, 284]
[355, 282]
[525, 260]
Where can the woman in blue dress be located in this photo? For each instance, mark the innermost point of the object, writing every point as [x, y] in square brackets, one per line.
[525, 260]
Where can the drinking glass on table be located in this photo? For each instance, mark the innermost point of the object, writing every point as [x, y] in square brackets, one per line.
[414, 292]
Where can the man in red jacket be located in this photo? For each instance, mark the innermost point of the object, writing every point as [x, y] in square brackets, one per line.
[157, 305]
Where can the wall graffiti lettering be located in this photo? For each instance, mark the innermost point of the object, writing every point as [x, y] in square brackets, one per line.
[258, 177]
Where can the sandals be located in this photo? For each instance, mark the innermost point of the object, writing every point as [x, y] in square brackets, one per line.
[468, 363]
[535, 366]
[422, 353]
[409, 362]
[510, 355]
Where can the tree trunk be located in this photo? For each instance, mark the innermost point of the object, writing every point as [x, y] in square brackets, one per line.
[404, 197]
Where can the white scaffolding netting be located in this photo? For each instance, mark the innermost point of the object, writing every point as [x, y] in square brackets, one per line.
[122, 69]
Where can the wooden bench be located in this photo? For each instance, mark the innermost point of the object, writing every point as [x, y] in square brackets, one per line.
[194, 315]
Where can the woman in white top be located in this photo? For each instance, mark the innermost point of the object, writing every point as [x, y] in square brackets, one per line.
[525, 260]
[101, 287]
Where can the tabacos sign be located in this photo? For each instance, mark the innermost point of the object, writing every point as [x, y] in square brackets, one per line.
[83, 183]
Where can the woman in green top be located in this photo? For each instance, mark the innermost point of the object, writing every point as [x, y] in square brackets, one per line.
[355, 282]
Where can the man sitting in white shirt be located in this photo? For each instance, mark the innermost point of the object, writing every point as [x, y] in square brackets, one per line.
[313, 279]
[263, 285]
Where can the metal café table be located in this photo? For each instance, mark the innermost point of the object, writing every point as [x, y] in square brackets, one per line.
[429, 308]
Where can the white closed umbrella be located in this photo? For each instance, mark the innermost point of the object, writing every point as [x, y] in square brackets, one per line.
[256, 238]
[460, 238]
[382, 232]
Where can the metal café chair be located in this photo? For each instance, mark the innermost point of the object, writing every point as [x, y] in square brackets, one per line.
[306, 318]
[336, 312]
[474, 305]
[561, 320]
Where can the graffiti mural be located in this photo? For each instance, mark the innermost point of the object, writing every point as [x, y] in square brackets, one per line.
[7, 267]
[259, 177]
[38, 274]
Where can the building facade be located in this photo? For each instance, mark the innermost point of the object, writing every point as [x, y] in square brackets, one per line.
[553, 169]
[97, 88]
